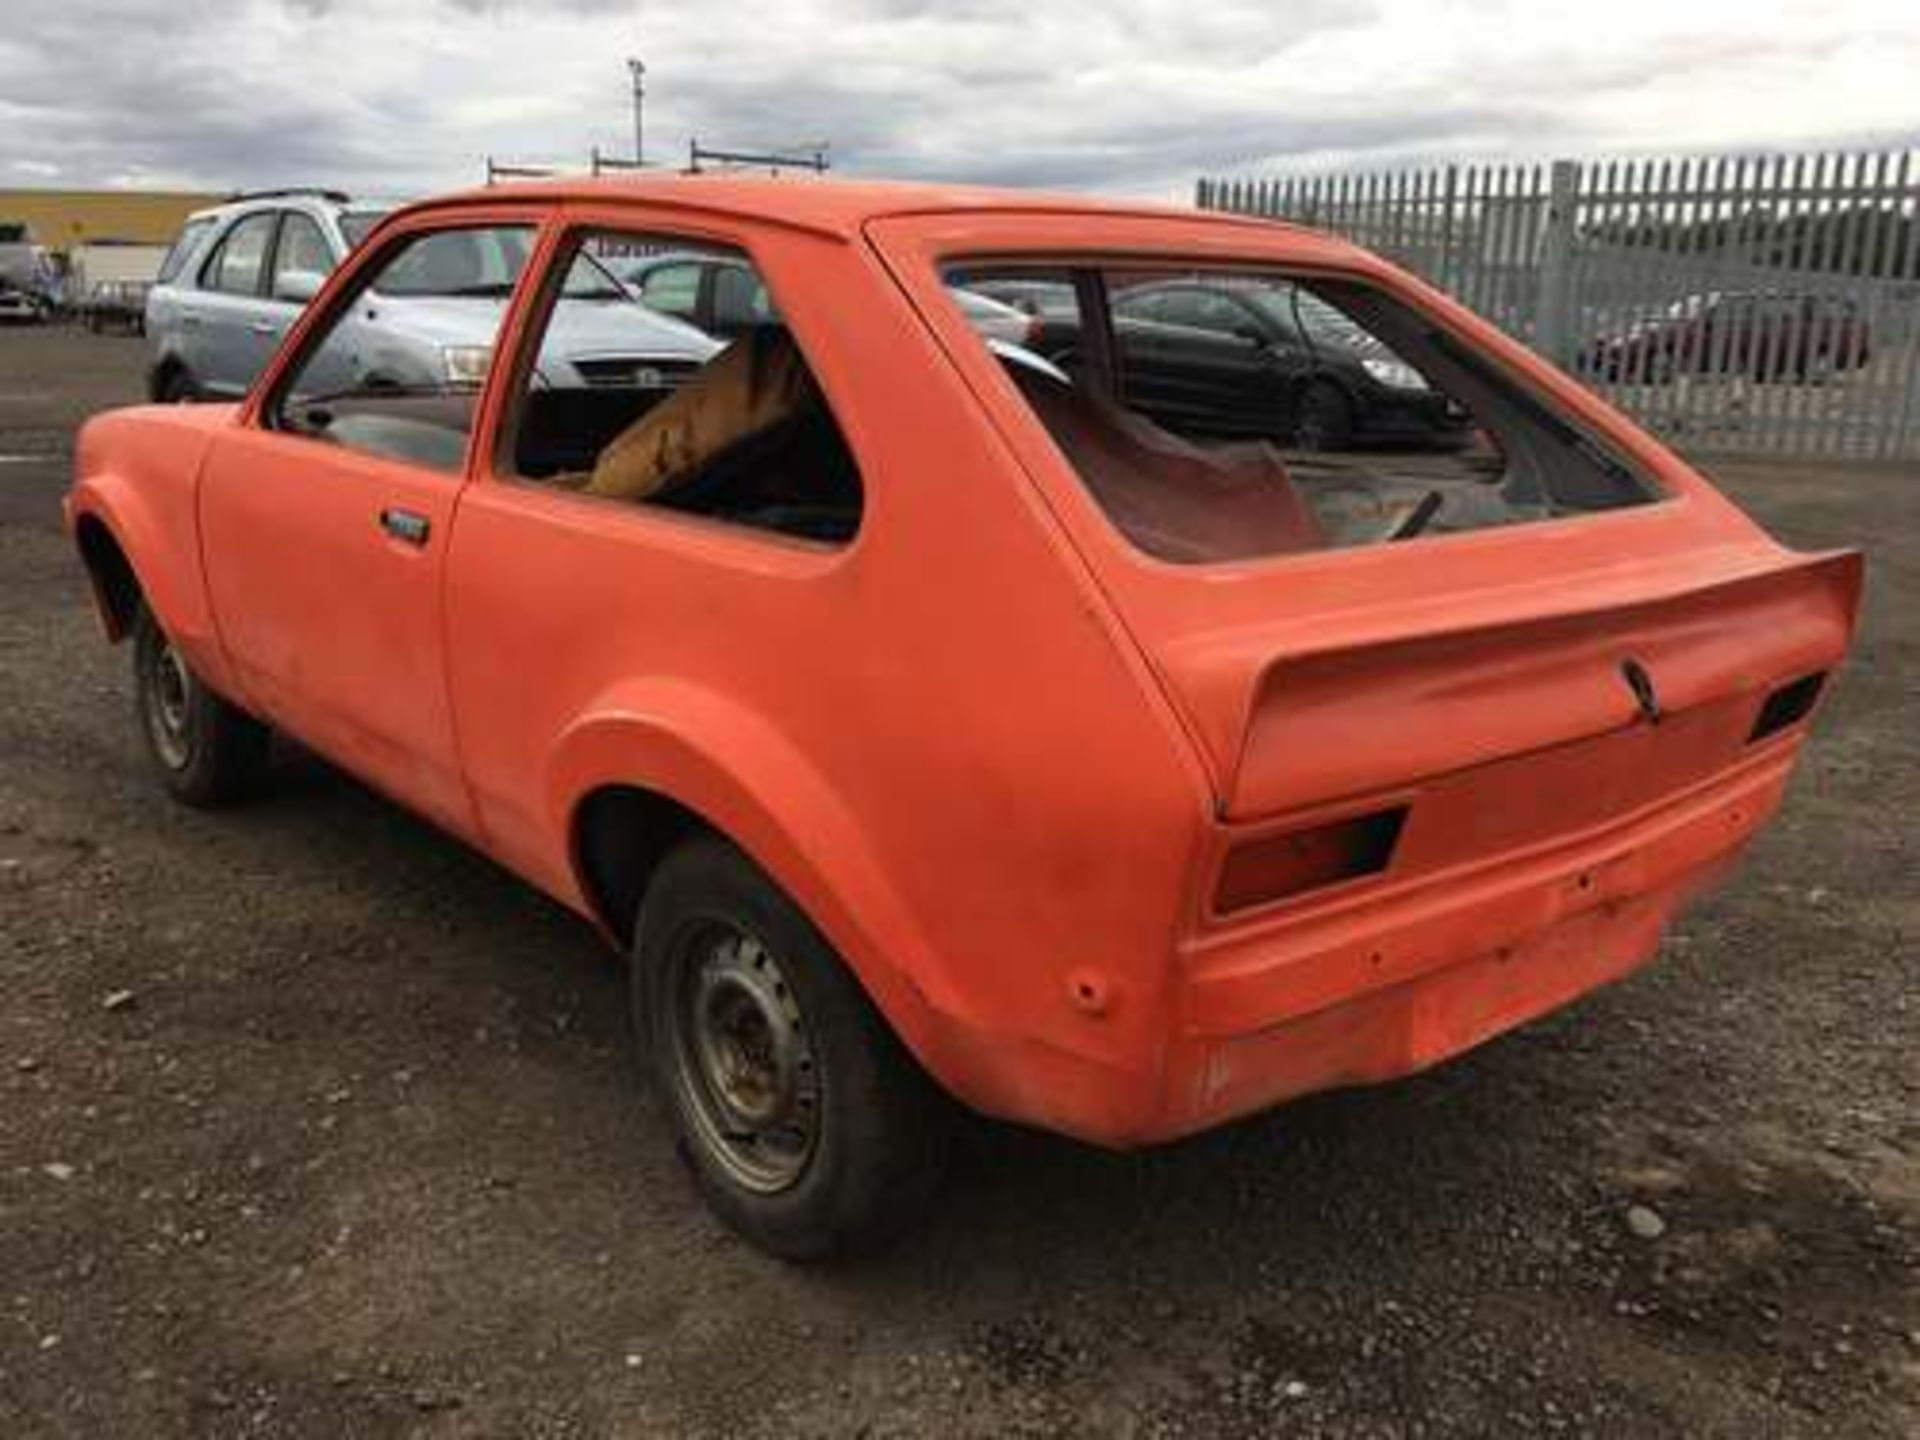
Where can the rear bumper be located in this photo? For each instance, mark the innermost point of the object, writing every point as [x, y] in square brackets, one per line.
[1384, 986]
[1378, 991]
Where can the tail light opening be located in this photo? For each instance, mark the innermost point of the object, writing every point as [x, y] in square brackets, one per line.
[1293, 862]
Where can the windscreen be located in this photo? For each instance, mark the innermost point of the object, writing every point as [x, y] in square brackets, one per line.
[1232, 415]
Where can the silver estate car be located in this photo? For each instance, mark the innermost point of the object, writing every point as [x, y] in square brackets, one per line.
[234, 281]
[239, 274]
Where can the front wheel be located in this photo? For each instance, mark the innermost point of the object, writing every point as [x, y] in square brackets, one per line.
[208, 751]
[807, 1126]
[176, 387]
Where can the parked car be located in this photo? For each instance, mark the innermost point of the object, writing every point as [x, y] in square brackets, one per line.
[1760, 335]
[995, 319]
[929, 723]
[1223, 356]
[21, 307]
[1273, 362]
[723, 297]
[711, 292]
[25, 276]
[428, 327]
[235, 280]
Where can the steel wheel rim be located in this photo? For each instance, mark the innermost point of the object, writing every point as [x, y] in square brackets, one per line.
[169, 702]
[743, 1061]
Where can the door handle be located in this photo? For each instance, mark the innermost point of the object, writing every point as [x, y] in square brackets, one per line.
[265, 327]
[407, 526]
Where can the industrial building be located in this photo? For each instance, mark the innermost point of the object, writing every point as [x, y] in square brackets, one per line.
[62, 220]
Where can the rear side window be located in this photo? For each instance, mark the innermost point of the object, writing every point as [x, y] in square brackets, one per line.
[189, 240]
[627, 404]
[1221, 415]
[234, 266]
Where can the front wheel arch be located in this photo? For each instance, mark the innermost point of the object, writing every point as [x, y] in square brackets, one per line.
[116, 587]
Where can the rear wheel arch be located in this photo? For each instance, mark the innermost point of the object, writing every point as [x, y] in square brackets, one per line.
[629, 790]
[620, 833]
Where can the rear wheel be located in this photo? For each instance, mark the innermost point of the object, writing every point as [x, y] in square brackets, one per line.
[208, 751]
[807, 1126]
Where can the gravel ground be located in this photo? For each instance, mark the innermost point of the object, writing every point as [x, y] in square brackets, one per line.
[314, 1123]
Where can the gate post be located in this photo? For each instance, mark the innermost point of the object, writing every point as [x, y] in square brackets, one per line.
[1553, 296]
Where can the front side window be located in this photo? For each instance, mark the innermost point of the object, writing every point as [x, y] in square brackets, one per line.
[1221, 415]
[630, 405]
[398, 369]
[234, 268]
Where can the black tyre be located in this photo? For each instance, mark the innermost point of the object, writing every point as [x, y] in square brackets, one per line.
[176, 387]
[208, 752]
[808, 1127]
[1326, 418]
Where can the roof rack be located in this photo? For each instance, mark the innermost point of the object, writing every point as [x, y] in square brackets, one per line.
[811, 156]
[339, 197]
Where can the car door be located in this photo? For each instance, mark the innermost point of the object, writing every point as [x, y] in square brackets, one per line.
[324, 520]
[1146, 378]
[1196, 360]
[232, 331]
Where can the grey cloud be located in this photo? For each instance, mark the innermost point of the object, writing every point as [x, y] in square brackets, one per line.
[1132, 95]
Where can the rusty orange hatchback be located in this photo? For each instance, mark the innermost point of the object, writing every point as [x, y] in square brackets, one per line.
[1115, 668]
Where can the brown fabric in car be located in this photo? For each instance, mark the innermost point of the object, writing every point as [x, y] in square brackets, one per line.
[1172, 499]
[756, 383]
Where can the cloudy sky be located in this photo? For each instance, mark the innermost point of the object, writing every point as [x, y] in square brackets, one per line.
[404, 96]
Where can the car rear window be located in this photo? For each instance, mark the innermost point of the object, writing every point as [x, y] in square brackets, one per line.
[1220, 415]
[189, 240]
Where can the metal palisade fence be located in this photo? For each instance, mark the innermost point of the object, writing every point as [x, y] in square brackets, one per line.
[1765, 304]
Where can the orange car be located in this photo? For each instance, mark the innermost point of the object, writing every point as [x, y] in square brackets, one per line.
[930, 717]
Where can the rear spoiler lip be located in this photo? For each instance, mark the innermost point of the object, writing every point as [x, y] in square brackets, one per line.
[1481, 615]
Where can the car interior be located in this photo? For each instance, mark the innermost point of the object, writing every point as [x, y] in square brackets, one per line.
[746, 438]
[1197, 444]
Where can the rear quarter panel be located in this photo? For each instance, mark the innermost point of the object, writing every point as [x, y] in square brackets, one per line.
[934, 738]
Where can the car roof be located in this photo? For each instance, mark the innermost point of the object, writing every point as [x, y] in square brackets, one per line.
[329, 201]
[830, 206]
